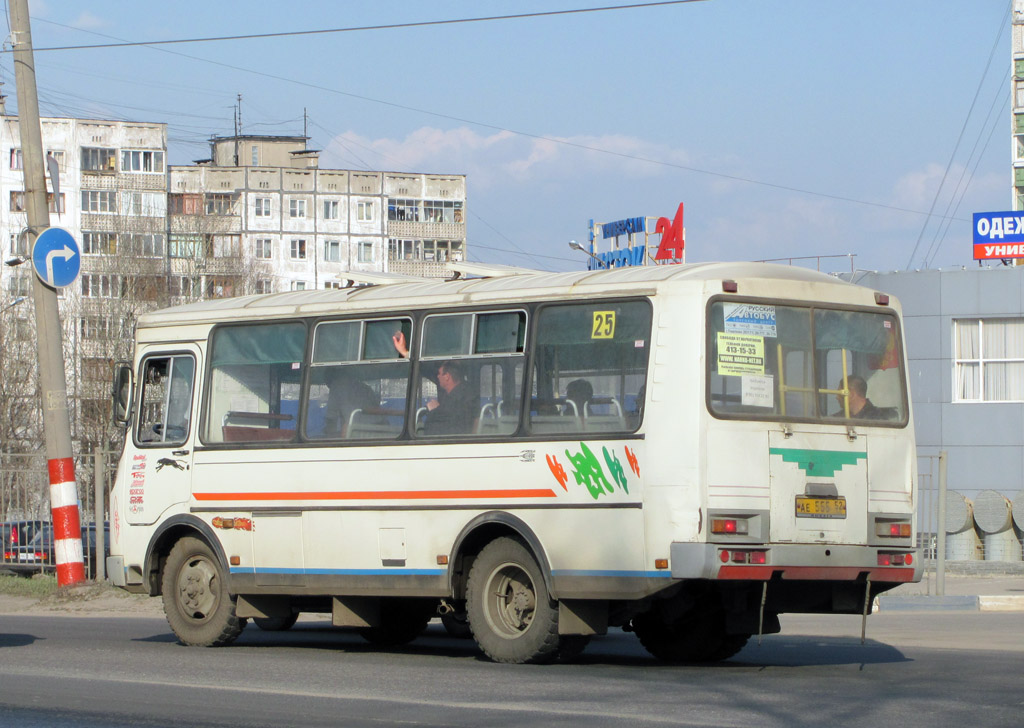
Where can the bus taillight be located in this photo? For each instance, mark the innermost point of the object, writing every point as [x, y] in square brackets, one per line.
[746, 557]
[895, 559]
[729, 525]
[889, 529]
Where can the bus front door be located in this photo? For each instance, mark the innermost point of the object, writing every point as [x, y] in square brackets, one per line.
[160, 466]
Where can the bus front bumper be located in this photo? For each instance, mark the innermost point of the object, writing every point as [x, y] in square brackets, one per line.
[804, 562]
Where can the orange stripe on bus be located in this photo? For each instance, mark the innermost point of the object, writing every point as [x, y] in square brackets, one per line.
[377, 495]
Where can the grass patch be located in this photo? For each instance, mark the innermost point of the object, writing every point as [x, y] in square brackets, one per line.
[36, 586]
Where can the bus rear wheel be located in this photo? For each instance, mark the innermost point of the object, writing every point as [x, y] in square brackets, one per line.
[692, 638]
[198, 606]
[510, 613]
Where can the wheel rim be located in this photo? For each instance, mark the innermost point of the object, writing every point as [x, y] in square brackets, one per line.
[198, 588]
[511, 601]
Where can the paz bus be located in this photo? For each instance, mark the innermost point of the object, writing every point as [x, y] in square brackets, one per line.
[684, 452]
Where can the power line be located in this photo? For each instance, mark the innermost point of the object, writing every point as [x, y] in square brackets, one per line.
[539, 137]
[388, 26]
[960, 136]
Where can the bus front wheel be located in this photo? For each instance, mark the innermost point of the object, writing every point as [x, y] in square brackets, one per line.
[198, 606]
[510, 613]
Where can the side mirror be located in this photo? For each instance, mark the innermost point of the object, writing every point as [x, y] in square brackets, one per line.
[123, 391]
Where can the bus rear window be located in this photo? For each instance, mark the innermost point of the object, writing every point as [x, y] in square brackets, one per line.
[805, 363]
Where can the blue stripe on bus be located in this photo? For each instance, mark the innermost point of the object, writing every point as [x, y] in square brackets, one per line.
[612, 573]
[341, 572]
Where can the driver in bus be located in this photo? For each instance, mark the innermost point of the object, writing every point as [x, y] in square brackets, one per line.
[860, 406]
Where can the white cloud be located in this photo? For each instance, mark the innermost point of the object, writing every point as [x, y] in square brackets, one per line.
[87, 21]
[495, 158]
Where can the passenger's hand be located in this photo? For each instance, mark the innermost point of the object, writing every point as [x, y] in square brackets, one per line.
[398, 339]
[432, 405]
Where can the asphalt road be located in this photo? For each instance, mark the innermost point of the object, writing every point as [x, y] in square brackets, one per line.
[929, 669]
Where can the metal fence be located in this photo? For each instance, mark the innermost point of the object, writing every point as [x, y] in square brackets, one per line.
[26, 532]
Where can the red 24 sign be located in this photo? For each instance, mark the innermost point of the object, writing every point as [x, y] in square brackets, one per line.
[673, 239]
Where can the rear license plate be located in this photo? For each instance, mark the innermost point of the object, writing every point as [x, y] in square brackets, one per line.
[820, 507]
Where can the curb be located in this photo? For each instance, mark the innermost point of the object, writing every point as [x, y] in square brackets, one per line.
[949, 604]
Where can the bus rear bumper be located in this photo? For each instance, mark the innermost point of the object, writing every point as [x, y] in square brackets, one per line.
[797, 562]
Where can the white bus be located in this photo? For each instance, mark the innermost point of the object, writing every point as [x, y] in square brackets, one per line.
[684, 452]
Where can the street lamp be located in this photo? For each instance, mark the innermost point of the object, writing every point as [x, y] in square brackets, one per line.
[16, 260]
[13, 303]
[576, 246]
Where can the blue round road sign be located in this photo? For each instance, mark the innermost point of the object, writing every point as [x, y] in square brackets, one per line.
[56, 258]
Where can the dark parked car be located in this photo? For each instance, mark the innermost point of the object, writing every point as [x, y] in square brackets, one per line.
[16, 534]
[38, 556]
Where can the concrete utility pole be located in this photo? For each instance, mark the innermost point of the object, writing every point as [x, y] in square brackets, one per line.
[67, 529]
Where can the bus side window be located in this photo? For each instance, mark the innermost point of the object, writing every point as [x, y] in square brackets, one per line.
[166, 400]
[471, 374]
[358, 383]
[255, 380]
[590, 368]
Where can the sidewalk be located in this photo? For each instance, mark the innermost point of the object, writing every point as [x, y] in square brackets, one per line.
[970, 586]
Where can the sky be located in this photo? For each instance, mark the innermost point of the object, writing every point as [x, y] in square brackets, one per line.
[788, 128]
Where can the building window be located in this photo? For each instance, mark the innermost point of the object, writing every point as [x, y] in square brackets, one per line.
[332, 251]
[264, 286]
[262, 207]
[364, 211]
[94, 243]
[143, 204]
[404, 210]
[331, 209]
[20, 285]
[988, 360]
[16, 159]
[19, 245]
[96, 285]
[255, 155]
[298, 249]
[151, 162]
[95, 328]
[220, 287]
[184, 286]
[220, 203]
[226, 246]
[298, 285]
[99, 201]
[333, 284]
[296, 208]
[96, 159]
[442, 211]
[264, 248]
[18, 202]
[146, 245]
[183, 245]
[190, 204]
[365, 252]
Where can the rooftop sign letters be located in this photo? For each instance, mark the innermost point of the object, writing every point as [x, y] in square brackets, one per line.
[998, 235]
[637, 231]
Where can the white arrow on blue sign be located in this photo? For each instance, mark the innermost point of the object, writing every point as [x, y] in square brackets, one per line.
[56, 257]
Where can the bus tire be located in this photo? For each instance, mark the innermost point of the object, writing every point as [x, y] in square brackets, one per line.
[456, 624]
[276, 624]
[510, 613]
[197, 604]
[692, 638]
[401, 621]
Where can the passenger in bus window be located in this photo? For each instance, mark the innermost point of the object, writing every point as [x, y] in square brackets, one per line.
[860, 405]
[401, 345]
[347, 394]
[453, 411]
[579, 392]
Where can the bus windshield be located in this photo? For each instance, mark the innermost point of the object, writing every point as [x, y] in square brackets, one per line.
[805, 363]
